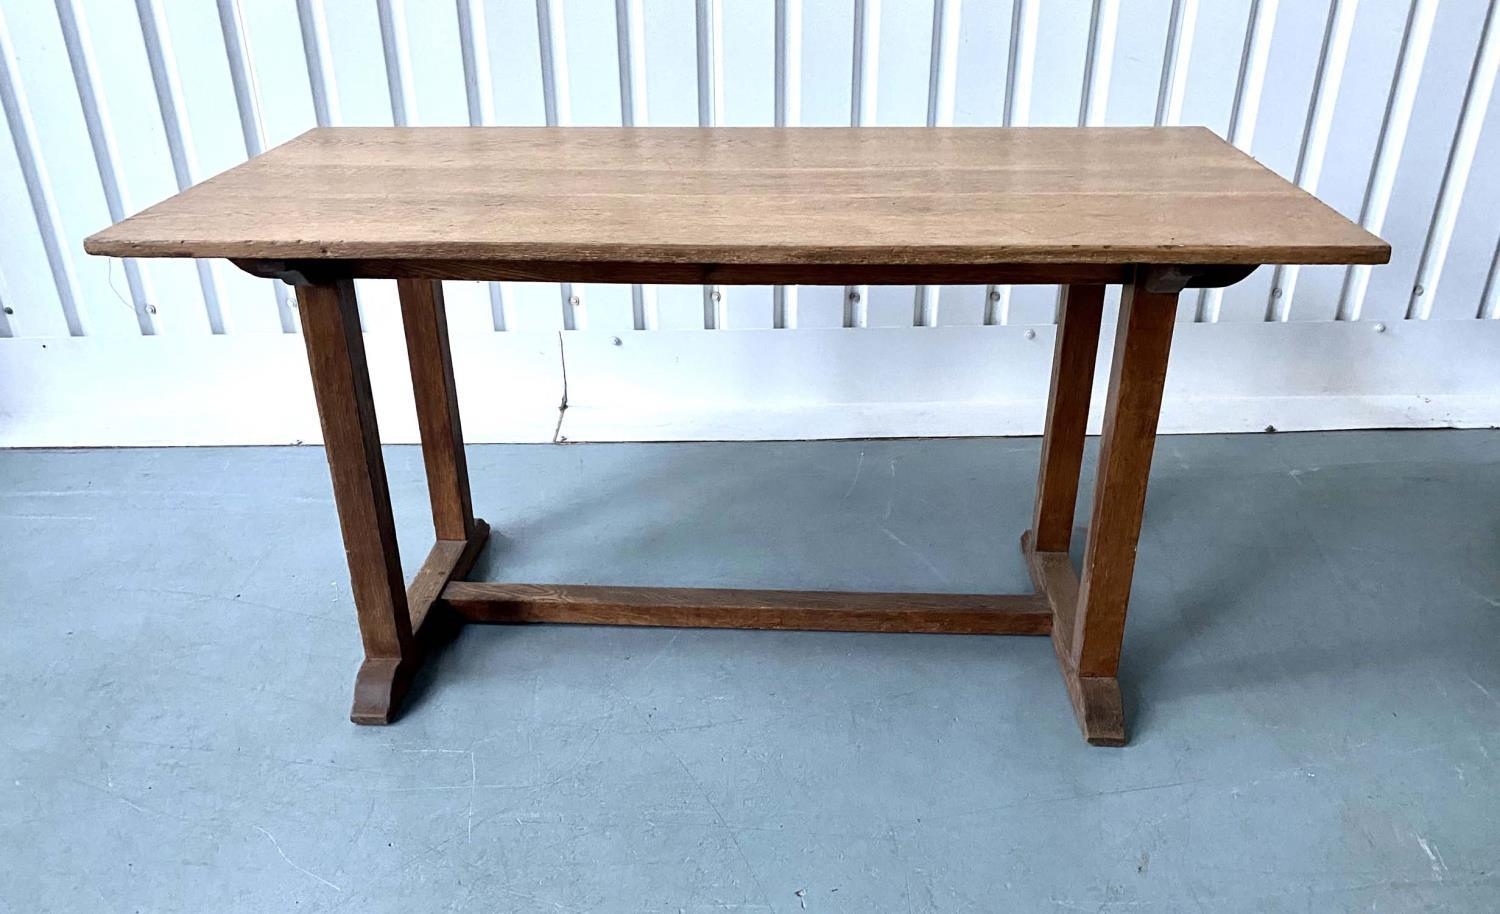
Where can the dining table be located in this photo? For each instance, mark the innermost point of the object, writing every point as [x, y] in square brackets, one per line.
[1153, 210]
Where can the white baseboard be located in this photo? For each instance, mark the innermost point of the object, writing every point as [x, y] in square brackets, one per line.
[953, 382]
[748, 385]
[253, 389]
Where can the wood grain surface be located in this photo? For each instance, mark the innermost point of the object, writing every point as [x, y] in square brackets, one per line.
[1073, 358]
[425, 319]
[1095, 699]
[1138, 374]
[963, 614]
[751, 196]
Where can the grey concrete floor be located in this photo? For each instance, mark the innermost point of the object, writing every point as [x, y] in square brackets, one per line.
[1312, 676]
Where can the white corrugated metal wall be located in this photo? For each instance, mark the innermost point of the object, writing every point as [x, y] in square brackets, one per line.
[1378, 106]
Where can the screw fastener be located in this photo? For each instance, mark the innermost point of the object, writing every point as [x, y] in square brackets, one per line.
[574, 300]
[1418, 290]
[854, 297]
[1380, 328]
[614, 340]
[1031, 334]
[716, 295]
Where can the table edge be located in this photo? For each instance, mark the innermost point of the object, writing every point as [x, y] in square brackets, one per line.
[752, 256]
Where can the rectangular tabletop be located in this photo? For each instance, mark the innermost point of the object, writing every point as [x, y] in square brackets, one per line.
[977, 196]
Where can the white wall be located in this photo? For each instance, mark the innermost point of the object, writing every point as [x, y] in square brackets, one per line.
[1382, 107]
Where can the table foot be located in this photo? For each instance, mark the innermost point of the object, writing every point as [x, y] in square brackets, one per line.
[1096, 705]
[382, 682]
[379, 686]
[1095, 699]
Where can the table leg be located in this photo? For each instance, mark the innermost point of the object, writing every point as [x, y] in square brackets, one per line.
[426, 323]
[1067, 417]
[341, 384]
[1137, 374]
[460, 535]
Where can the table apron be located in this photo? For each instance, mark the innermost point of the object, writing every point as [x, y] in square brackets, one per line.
[1169, 277]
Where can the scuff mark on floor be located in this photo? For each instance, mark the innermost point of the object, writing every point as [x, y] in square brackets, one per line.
[891, 500]
[301, 869]
[921, 556]
[473, 784]
[1487, 693]
[1439, 868]
[858, 468]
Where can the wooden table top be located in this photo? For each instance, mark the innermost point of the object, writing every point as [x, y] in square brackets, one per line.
[1169, 195]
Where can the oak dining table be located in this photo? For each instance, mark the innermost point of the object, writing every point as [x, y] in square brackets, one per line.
[1156, 210]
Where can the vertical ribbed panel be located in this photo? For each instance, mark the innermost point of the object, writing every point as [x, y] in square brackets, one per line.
[1461, 154]
[1175, 62]
[709, 35]
[18, 116]
[168, 82]
[942, 79]
[76, 38]
[1315, 136]
[247, 106]
[552, 42]
[1018, 65]
[630, 38]
[1245, 113]
[312, 18]
[1401, 102]
[479, 99]
[397, 52]
[1099, 62]
[788, 90]
[1020, 69]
